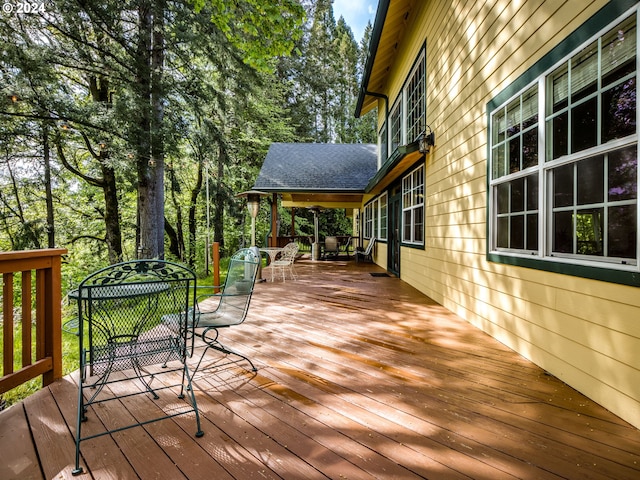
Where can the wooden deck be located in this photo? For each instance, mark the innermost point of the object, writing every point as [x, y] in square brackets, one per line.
[358, 377]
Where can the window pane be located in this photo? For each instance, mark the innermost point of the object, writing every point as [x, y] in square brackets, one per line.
[396, 126]
[559, 133]
[418, 233]
[559, 89]
[503, 232]
[418, 196]
[530, 107]
[563, 232]
[503, 198]
[407, 226]
[532, 192]
[530, 148]
[517, 195]
[517, 231]
[589, 232]
[513, 117]
[619, 51]
[623, 231]
[563, 186]
[584, 128]
[591, 181]
[532, 232]
[384, 154]
[499, 126]
[584, 73]
[498, 159]
[623, 174]
[514, 155]
[619, 111]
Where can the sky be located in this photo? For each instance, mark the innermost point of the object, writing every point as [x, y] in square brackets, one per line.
[356, 13]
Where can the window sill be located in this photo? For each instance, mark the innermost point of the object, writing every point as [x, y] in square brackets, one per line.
[625, 275]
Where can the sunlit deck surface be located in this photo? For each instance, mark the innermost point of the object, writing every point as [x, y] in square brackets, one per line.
[359, 377]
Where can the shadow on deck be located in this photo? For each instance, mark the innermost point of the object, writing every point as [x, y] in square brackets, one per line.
[359, 376]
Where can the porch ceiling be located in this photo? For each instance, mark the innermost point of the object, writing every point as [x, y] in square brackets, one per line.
[323, 200]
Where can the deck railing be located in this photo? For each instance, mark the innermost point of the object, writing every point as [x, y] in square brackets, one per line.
[46, 284]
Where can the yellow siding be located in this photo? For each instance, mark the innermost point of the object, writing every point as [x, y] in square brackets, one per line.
[584, 331]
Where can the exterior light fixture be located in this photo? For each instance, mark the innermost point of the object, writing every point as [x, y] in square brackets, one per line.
[426, 140]
[253, 205]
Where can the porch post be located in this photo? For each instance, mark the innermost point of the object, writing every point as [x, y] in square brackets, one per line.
[274, 220]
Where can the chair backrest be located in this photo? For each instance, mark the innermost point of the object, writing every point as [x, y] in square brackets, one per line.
[370, 246]
[289, 252]
[236, 294]
[331, 244]
[124, 310]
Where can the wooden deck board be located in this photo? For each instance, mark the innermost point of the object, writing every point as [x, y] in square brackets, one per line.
[359, 377]
[19, 458]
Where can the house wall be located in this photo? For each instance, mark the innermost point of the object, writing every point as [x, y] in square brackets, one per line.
[585, 332]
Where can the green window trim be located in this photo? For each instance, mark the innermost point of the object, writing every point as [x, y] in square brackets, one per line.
[549, 260]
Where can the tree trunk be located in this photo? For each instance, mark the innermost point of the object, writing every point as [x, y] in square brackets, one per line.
[174, 245]
[157, 119]
[146, 169]
[51, 231]
[218, 213]
[192, 217]
[113, 234]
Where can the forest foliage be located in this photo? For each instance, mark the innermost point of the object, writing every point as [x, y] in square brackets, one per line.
[127, 128]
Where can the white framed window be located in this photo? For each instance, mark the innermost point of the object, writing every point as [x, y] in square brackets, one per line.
[376, 218]
[382, 215]
[413, 207]
[564, 158]
[395, 123]
[383, 145]
[407, 118]
[415, 100]
[368, 221]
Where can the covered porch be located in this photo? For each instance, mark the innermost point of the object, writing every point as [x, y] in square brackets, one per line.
[314, 176]
[359, 376]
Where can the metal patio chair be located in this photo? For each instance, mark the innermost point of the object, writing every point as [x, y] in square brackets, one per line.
[232, 303]
[286, 261]
[131, 320]
[331, 246]
[366, 254]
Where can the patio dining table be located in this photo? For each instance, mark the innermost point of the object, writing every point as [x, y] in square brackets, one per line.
[273, 253]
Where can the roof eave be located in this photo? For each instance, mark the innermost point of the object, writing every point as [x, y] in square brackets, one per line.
[392, 162]
[381, 15]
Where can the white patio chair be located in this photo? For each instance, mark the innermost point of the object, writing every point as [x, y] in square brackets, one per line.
[286, 260]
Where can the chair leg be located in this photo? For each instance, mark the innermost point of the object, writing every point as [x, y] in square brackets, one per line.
[294, 276]
[216, 345]
[185, 374]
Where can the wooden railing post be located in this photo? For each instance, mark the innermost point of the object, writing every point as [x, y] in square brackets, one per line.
[215, 258]
[48, 315]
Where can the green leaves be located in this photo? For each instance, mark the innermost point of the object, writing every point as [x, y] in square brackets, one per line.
[261, 29]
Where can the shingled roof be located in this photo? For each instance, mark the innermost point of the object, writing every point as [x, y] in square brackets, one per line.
[317, 167]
